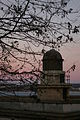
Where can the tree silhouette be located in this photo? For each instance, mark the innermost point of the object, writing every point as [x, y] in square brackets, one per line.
[26, 26]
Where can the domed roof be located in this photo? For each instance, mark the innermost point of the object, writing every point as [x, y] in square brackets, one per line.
[52, 54]
[52, 60]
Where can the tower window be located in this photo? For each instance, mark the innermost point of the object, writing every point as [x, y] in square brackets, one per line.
[61, 78]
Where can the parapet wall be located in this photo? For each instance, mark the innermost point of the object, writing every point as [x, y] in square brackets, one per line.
[43, 107]
[30, 109]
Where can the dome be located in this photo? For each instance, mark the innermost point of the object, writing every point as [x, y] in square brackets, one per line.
[52, 60]
[52, 54]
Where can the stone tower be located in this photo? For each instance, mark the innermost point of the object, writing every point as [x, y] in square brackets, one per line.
[53, 86]
[53, 68]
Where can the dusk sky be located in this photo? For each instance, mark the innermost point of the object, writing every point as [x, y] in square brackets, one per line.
[71, 55]
[71, 52]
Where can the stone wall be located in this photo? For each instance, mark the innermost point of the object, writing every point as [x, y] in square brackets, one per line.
[38, 111]
[46, 107]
